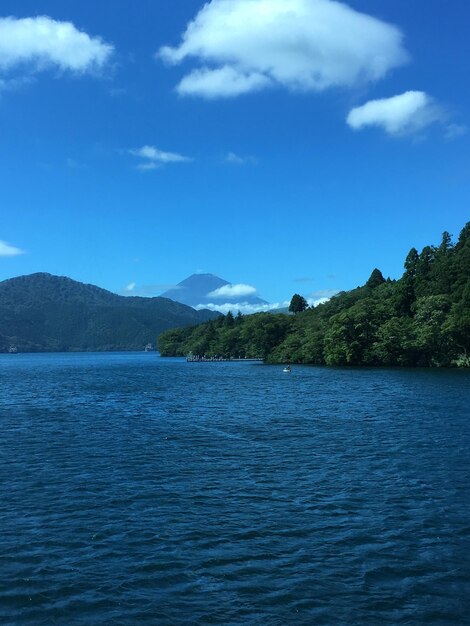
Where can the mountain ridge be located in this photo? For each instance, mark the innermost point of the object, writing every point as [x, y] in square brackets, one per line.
[44, 312]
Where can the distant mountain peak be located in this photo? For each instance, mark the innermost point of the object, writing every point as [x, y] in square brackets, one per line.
[204, 279]
[196, 290]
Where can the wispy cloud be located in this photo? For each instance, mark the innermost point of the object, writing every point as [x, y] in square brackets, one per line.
[33, 44]
[147, 291]
[235, 159]
[453, 131]
[153, 158]
[322, 293]
[7, 249]
[148, 166]
[404, 114]
[15, 84]
[233, 291]
[244, 46]
[75, 165]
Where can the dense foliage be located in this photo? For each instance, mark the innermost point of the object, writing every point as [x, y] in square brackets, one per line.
[252, 336]
[298, 304]
[41, 312]
[423, 319]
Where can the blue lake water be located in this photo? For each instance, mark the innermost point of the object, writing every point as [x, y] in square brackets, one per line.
[140, 490]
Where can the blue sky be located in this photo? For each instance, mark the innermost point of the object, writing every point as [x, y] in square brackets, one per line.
[288, 145]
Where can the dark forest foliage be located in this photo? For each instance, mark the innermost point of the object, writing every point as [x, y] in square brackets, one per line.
[422, 319]
[41, 312]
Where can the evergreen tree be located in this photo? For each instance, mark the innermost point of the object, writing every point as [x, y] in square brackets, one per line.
[375, 279]
[411, 263]
[446, 243]
[407, 286]
[464, 236]
[297, 304]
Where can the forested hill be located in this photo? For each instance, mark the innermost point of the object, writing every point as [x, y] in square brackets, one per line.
[41, 312]
[422, 319]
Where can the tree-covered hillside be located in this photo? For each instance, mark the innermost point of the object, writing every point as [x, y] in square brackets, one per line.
[41, 312]
[422, 319]
[251, 336]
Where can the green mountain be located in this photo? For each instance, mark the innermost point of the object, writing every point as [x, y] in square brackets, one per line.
[422, 319]
[41, 312]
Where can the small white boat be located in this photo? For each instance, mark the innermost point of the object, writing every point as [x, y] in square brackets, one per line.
[287, 369]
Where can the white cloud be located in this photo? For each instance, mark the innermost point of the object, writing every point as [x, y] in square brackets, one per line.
[147, 291]
[232, 291]
[223, 82]
[148, 166]
[42, 42]
[15, 84]
[248, 45]
[155, 158]
[8, 250]
[154, 154]
[248, 309]
[323, 293]
[74, 165]
[453, 131]
[316, 301]
[407, 113]
[235, 159]
[244, 307]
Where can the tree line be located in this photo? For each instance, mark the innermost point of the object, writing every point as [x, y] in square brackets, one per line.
[422, 319]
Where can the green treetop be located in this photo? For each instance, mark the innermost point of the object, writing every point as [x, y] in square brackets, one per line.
[297, 304]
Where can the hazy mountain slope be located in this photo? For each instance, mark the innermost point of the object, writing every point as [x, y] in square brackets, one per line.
[45, 312]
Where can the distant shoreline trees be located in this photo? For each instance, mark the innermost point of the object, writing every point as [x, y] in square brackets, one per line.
[422, 319]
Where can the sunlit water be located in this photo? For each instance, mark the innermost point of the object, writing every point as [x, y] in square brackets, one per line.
[139, 490]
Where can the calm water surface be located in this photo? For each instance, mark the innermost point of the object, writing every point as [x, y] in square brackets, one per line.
[139, 490]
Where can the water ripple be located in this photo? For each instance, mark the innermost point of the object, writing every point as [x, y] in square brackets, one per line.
[136, 490]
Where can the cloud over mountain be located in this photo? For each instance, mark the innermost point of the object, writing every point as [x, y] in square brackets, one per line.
[212, 292]
[233, 291]
[247, 45]
[233, 307]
